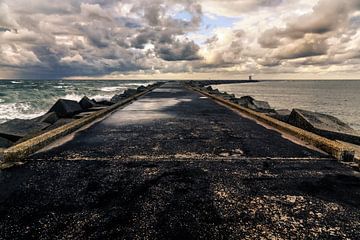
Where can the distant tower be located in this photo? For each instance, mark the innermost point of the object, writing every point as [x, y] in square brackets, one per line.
[250, 78]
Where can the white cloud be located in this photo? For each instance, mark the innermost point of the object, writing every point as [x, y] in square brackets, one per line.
[100, 37]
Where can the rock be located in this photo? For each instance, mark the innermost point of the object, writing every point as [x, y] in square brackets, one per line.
[141, 89]
[282, 115]
[50, 118]
[5, 143]
[60, 122]
[129, 92]
[15, 129]
[104, 103]
[245, 101]
[86, 103]
[209, 89]
[94, 109]
[227, 96]
[250, 102]
[324, 125]
[66, 108]
[82, 115]
[116, 98]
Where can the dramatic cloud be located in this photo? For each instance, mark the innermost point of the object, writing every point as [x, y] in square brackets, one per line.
[178, 38]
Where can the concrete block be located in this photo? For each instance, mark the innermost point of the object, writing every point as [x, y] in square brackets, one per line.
[251, 103]
[5, 143]
[16, 129]
[81, 115]
[86, 103]
[94, 109]
[66, 108]
[282, 115]
[50, 118]
[141, 89]
[129, 92]
[60, 122]
[117, 98]
[104, 103]
[324, 125]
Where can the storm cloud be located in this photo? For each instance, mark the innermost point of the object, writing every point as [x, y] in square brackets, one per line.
[101, 38]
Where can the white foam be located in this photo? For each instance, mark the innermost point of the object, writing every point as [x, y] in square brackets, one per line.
[102, 97]
[112, 89]
[73, 96]
[18, 110]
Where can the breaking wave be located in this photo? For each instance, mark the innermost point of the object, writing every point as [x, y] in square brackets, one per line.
[28, 99]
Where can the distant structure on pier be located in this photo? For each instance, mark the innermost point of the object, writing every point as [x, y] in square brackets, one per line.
[250, 78]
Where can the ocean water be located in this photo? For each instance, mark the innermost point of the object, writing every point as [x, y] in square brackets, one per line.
[338, 98]
[27, 99]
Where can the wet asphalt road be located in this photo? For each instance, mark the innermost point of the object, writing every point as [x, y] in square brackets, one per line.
[176, 165]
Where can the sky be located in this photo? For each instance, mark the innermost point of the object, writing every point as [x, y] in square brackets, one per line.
[180, 39]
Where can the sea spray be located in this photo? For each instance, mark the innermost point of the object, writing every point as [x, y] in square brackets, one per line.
[26, 99]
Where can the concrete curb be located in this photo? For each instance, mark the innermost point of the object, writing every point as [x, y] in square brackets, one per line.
[22, 150]
[333, 148]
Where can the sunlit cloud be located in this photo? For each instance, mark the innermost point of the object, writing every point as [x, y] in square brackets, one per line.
[179, 39]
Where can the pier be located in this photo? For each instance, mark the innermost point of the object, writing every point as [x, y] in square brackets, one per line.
[175, 164]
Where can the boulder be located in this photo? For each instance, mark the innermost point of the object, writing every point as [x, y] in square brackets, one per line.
[94, 109]
[244, 101]
[15, 129]
[86, 103]
[116, 98]
[50, 118]
[282, 115]
[5, 143]
[227, 96]
[129, 92]
[82, 115]
[215, 92]
[66, 108]
[324, 125]
[104, 103]
[209, 89]
[141, 89]
[259, 106]
[59, 123]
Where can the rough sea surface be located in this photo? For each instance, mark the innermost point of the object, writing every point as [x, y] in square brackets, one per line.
[340, 98]
[27, 99]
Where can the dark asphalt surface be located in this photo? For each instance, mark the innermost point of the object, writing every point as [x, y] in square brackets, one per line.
[176, 165]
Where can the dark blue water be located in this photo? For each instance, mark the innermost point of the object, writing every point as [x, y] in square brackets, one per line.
[338, 98]
[31, 98]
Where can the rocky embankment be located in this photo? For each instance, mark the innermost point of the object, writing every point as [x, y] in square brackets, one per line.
[62, 112]
[322, 124]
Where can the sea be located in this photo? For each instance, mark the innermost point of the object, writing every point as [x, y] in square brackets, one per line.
[26, 99]
[340, 98]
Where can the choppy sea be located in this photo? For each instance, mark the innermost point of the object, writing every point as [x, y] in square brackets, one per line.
[30, 98]
[27, 99]
[340, 98]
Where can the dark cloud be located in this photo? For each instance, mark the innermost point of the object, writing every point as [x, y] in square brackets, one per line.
[98, 37]
[179, 51]
[307, 36]
[4, 29]
[94, 37]
[311, 46]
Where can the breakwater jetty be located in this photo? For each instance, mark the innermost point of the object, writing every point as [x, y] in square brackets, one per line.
[180, 163]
